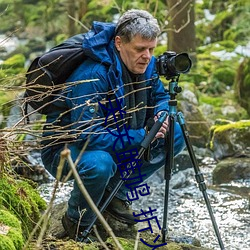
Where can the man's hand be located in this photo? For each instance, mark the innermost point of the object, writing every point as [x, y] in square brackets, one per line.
[164, 128]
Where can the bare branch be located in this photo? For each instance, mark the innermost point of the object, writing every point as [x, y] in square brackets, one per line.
[66, 154]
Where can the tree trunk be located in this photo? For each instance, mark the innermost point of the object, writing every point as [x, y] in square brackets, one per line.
[181, 27]
[71, 6]
[83, 7]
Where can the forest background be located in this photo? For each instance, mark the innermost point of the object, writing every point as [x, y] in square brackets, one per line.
[214, 33]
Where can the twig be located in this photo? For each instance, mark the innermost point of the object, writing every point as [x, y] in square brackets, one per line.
[77, 21]
[137, 240]
[99, 238]
[66, 154]
[45, 217]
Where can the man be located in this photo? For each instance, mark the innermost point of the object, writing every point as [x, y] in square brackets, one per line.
[123, 78]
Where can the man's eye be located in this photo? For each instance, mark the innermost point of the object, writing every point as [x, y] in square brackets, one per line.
[139, 50]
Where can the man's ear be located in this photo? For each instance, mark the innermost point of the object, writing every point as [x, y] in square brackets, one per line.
[118, 43]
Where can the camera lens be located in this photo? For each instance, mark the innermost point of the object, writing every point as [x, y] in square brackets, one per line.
[182, 63]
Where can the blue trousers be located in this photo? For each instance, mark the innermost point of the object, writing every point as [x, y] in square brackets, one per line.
[98, 171]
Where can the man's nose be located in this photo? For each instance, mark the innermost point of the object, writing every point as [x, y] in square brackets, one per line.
[146, 54]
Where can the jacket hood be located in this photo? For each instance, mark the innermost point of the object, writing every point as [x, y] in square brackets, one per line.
[98, 43]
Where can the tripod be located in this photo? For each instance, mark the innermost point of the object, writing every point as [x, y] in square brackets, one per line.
[173, 90]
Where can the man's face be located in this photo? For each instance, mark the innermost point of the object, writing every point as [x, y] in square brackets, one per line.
[137, 53]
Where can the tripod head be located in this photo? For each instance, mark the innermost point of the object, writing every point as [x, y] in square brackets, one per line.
[174, 89]
[171, 65]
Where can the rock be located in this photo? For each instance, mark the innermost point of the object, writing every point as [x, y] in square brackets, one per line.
[197, 125]
[231, 169]
[190, 96]
[232, 139]
[181, 179]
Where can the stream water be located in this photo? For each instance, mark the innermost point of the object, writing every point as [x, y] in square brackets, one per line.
[187, 212]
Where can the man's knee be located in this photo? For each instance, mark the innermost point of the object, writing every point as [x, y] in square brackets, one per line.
[97, 164]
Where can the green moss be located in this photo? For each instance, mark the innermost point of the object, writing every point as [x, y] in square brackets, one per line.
[235, 125]
[125, 243]
[21, 199]
[6, 243]
[212, 100]
[16, 237]
[13, 239]
[9, 219]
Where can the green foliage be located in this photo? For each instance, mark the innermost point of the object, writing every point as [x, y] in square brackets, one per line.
[224, 75]
[216, 67]
[17, 61]
[60, 38]
[214, 101]
[229, 23]
[221, 23]
[242, 84]
[9, 219]
[127, 244]
[160, 50]
[12, 67]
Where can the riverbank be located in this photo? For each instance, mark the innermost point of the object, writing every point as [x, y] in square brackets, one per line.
[188, 217]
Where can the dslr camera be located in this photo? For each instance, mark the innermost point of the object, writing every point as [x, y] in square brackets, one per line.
[171, 65]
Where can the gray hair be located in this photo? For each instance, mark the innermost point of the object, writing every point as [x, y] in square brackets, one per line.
[137, 22]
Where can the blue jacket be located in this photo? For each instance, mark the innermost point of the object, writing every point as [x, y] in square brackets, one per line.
[86, 117]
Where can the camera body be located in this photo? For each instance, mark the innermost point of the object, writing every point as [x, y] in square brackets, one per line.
[171, 65]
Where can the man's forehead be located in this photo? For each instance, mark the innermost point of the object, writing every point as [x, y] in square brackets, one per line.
[137, 40]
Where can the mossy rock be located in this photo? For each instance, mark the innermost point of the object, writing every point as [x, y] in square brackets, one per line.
[11, 237]
[232, 139]
[219, 107]
[21, 199]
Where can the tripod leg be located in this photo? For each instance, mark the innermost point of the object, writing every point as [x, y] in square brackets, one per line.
[168, 173]
[199, 176]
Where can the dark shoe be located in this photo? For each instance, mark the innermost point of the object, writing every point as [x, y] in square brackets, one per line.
[121, 211]
[75, 231]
